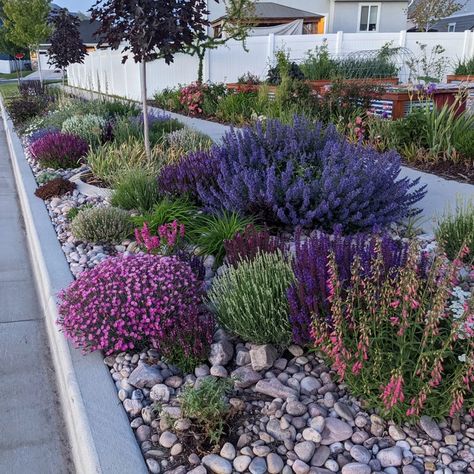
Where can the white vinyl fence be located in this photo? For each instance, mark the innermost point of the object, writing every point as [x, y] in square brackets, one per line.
[104, 72]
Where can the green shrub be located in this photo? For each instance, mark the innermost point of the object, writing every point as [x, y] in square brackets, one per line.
[207, 407]
[250, 300]
[135, 189]
[102, 225]
[24, 108]
[456, 230]
[465, 68]
[108, 162]
[131, 127]
[166, 211]
[120, 108]
[168, 99]
[213, 94]
[46, 176]
[237, 107]
[464, 144]
[212, 231]
[89, 127]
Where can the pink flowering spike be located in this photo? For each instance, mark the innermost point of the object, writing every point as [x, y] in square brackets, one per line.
[393, 392]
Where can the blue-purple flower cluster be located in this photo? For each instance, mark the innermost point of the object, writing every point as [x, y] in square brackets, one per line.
[307, 175]
[308, 297]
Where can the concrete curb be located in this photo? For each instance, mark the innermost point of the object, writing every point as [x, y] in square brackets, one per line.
[101, 439]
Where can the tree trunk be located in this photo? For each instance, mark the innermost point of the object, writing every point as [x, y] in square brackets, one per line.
[146, 132]
[40, 71]
[201, 55]
[64, 76]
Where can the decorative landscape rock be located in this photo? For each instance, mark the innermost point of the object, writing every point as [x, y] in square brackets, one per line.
[221, 353]
[274, 388]
[430, 427]
[287, 407]
[263, 357]
[335, 430]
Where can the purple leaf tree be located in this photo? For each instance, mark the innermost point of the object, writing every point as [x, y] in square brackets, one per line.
[150, 29]
[66, 44]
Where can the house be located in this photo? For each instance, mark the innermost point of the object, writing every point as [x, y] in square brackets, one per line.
[460, 21]
[325, 16]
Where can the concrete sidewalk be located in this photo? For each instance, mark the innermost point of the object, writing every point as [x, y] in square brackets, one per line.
[33, 437]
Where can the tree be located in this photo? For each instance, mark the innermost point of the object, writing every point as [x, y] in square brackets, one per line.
[235, 25]
[427, 13]
[151, 29]
[66, 45]
[26, 23]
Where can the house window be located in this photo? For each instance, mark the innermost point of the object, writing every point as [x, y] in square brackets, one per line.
[452, 27]
[369, 17]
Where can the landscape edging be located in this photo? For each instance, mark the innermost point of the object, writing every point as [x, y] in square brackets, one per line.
[120, 454]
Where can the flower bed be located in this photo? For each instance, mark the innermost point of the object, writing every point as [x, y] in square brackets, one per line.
[204, 386]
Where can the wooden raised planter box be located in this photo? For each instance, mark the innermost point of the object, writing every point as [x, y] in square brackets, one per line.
[316, 86]
[460, 78]
[398, 102]
[401, 101]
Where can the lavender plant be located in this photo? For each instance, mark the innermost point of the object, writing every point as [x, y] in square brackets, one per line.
[307, 175]
[309, 296]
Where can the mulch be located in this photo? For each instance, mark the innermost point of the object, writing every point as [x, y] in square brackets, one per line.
[460, 172]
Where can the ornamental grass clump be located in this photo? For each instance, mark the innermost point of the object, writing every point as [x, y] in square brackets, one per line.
[135, 189]
[206, 405]
[250, 300]
[111, 161]
[308, 297]
[211, 231]
[307, 175]
[395, 341]
[192, 172]
[455, 230]
[126, 302]
[88, 126]
[109, 225]
[59, 150]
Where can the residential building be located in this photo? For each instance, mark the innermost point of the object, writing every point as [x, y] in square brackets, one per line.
[327, 16]
[460, 21]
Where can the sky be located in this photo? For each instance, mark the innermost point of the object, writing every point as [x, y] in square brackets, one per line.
[75, 5]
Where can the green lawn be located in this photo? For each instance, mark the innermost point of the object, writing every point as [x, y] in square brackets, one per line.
[9, 89]
[13, 75]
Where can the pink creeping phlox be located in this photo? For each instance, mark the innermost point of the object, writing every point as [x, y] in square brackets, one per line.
[125, 302]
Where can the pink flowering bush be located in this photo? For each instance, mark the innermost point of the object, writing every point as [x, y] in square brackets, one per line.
[396, 341]
[192, 97]
[125, 303]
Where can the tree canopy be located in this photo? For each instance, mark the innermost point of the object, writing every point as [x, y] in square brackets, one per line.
[235, 25]
[26, 21]
[151, 29]
[426, 13]
[66, 45]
